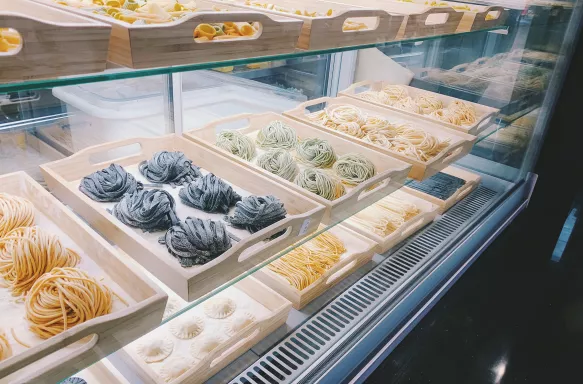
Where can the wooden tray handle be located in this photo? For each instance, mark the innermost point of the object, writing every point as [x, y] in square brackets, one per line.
[500, 15]
[147, 147]
[339, 271]
[383, 24]
[213, 124]
[464, 190]
[300, 110]
[352, 89]
[417, 23]
[293, 226]
[186, 26]
[485, 119]
[52, 345]
[242, 337]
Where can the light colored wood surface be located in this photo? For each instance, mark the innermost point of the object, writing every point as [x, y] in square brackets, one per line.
[391, 173]
[159, 45]
[361, 249]
[428, 213]
[100, 336]
[460, 143]
[472, 182]
[323, 32]
[304, 215]
[233, 347]
[485, 114]
[54, 42]
[420, 20]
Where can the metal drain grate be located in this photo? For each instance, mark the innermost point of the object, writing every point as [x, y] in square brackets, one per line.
[291, 356]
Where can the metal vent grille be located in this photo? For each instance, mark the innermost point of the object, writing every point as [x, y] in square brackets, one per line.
[284, 362]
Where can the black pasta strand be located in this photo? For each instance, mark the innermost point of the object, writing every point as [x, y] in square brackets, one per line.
[440, 185]
[196, 241]
[254, 213]
[210, 194]
[73, 380]
[170, 168]
[151, 210]
[109, 184]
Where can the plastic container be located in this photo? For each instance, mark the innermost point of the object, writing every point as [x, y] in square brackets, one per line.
[120, 109]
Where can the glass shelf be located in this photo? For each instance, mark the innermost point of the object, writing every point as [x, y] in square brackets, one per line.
[126, 73]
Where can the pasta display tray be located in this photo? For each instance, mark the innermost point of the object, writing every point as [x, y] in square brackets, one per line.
[219, 342]
[322, 31]
[391, 173]
[173, 43]
[359, 251]
[420, 20]
[56, 358]
[47, 42]
[484, 117]
[248, 250]
[460, 144]
[428, 213]
[472, 181]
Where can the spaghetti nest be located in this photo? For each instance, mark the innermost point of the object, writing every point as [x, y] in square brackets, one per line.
[302, 266]
[14, 212]
[28, 252]
[64, 298]
[5, 348]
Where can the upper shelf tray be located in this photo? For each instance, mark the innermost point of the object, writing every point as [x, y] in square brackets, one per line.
[173, 43]
[47, 42]
[331, 25]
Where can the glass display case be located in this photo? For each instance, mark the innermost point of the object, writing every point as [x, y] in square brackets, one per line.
[255, 193]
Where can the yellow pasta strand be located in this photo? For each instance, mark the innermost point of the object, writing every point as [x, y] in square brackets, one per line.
[385, 216]
[14, 212]
[64, 298]
[5, 349]
[302, 266]
[28, 252]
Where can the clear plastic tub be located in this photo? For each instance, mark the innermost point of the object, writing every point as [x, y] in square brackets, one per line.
[114, 110]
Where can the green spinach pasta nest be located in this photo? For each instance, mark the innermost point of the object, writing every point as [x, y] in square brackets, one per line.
[354, 168]
[320, 183]
[277, 134]
[316, 152]
[237, 144]
[280, 163]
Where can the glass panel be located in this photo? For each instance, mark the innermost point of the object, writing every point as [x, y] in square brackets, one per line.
[441, 167]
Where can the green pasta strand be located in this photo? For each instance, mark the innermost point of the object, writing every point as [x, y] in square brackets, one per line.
[320, 183]
[316, 152]
[280, 163]
[277, 134]
[237, 144]
[354, 168]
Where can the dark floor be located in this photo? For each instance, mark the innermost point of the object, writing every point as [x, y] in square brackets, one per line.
[514, 317]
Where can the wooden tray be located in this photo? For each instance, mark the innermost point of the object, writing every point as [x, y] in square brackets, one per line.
[270, 309]
[360, 251]
[428, 213]
[485, 114]
[461, 143]
[160, 45]
[304, 215]
[51, 360]
[472, 182]
[420, 20]
[54, 43]
[475, 19]
[326, 32]
[391, 173]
